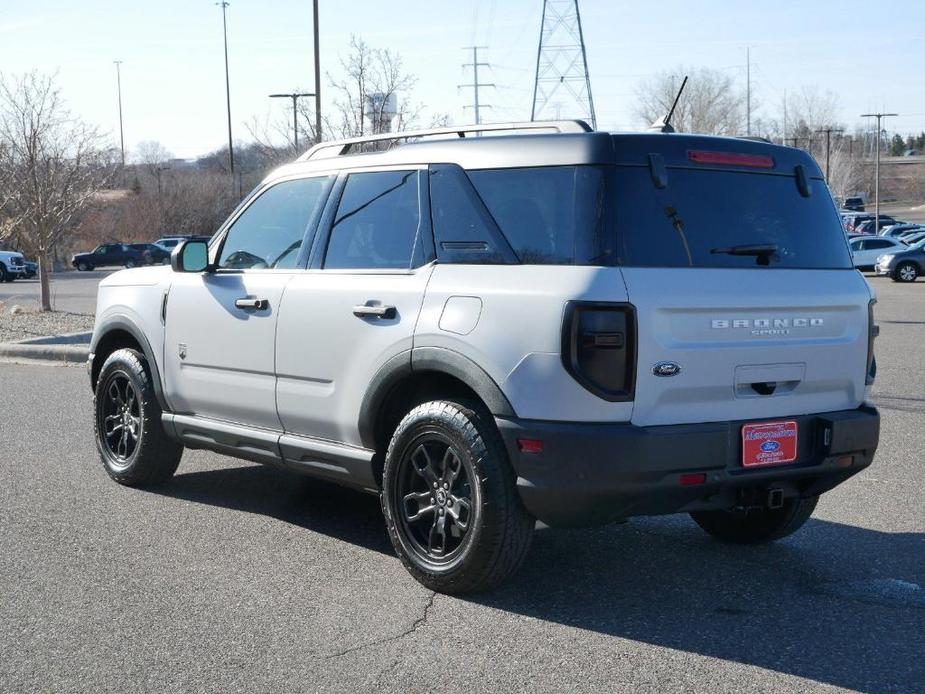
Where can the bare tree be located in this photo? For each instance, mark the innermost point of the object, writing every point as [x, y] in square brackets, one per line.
[712, 102]
[55, 164]
[152, 155]
[374, 78]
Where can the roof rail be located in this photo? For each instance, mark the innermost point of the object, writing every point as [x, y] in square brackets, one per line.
[344, 146]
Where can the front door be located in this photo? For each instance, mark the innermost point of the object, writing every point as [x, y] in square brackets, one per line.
[221, 325]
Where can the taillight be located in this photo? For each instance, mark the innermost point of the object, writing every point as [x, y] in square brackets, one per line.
[599, 347]
[873, 330]
[755, 161]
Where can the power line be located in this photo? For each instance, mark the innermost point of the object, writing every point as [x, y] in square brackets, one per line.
[476, 105]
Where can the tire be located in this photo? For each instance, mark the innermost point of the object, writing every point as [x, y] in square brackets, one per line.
[142, 454]
[486, 531]
[4, 275]
[906, 272]
[757, 526]
[129, 264]
[83, 267]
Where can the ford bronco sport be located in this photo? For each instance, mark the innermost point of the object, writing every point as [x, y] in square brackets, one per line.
[574, 327]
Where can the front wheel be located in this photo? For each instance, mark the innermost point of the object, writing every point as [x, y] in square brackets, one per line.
[4, 275]
[450, 500]
[906, 272]
[757, 526]
[130, 437]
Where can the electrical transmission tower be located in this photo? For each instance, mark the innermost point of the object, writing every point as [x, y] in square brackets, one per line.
[476, 105]
[562, 66]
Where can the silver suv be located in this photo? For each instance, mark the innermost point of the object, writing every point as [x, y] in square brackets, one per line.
[550, 324]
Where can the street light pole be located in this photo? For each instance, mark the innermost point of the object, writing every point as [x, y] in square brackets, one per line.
[224, 5]
[317, 78]
[295, 112]
[879, 117]
[828, 134]
[119, 87]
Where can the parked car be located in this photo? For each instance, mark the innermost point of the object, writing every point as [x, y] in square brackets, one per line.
[487, 331]
[170, 242]
[109, 254]
[899, 229]
[12, 265]
[871, 226]
[854, 203]
[152, 254]
[904, 265]
[913, 238]
[852, 221]
[866, 249]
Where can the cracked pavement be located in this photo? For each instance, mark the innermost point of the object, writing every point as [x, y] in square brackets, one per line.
[235, 577]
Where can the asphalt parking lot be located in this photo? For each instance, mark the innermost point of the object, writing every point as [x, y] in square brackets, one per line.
[74, 292]
[234, 577]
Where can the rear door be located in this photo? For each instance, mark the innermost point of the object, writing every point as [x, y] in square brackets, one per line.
[741, 277]
[356, 308]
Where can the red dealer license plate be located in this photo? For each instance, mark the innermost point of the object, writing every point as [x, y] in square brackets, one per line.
[769, 443]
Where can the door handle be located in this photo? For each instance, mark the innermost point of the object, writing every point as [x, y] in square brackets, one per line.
[252, 304]
[375, 311]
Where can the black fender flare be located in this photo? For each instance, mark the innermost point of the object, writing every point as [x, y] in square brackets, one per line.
[424, 359]
[120, 321]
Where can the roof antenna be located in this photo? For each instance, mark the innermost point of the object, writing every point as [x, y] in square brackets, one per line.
[663, 125]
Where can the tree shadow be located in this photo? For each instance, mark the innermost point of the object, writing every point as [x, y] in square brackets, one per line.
[835, 603]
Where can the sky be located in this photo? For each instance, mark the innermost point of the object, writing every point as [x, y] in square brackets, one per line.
[173, 88]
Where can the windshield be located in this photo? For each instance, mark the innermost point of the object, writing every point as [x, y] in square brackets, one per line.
[719, 218]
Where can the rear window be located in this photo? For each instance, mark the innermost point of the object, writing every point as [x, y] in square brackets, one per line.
[701, 213]
[550, 215]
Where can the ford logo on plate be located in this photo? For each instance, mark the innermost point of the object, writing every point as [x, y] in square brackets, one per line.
[770, 446]
[666, 368]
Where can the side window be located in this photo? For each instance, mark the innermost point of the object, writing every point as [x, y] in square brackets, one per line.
[855, 246]
[377, 222]
[270, 232]
[464, 230]
[102, 250]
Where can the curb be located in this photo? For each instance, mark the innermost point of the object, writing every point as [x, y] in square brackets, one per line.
[62, 354]
[81, 338]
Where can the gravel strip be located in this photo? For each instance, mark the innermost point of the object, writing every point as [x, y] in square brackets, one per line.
[31, 323]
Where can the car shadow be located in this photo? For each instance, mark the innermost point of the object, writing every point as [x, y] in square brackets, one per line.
[835, 603]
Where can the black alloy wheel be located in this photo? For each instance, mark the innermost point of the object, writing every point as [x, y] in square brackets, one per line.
[436, 491]
[121, 418]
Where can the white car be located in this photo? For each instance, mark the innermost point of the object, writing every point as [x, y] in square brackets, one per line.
[573, 327]
[866, 249]
[12, 266]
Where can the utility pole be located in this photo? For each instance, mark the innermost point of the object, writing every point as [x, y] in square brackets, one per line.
[828, 134]
[119, 87]
[475, 65]
[224, 5]
[879, 117]
[748, 91]
[317, 78]
[295, 113]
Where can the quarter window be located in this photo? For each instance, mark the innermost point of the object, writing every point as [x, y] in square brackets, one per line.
[377, 222]
[270, 232]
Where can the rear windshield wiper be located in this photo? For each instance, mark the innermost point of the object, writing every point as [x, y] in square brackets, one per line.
[762, 252]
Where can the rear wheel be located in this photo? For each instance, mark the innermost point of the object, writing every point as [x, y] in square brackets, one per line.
[906, 272]
[757, 525]
[129, 263]
[450, 501]
[132, 443]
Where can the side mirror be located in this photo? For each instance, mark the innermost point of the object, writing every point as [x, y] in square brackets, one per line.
[190, 256]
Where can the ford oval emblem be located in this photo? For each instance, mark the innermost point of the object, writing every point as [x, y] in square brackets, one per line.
[666, 368]
[770, 446]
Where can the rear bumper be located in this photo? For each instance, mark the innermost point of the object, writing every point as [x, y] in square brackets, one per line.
[588, 474]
